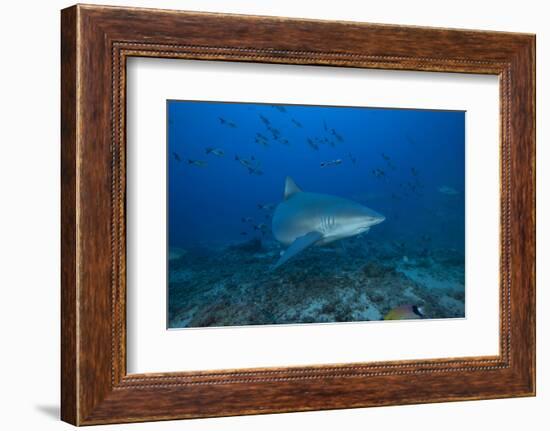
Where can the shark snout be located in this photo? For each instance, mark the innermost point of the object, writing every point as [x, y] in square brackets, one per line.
[378, 219]
[367, 222]
[364, 219]
[372, 218]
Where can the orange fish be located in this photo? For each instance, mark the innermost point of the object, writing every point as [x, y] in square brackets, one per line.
[405, 312]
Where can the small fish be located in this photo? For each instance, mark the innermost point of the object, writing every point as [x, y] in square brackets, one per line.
[405, 312]
[285, 141]
[325, 126]
[255, 171]
[279, 108]
[331, 163]
[264, 120]
[216, 151]
[261, 142]
[199, 163]
[246, 219]
[244, 233]
[378, 173]
[446, 190]
[414, 172]
[260, 136]
[244, 162]
[312, 144]
[274, 132]
[337, 135]
[413, 187]
[176, 253]
[296, 123]
[267, 207]
[260, 227]
[352, 158]
[176, 156]
[385, 157]
[225, 122]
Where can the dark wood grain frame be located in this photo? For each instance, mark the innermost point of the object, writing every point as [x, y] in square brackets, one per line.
[96, 41]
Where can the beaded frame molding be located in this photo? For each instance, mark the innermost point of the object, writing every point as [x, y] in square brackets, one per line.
[95, 43]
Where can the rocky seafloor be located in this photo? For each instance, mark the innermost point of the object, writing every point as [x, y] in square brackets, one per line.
[358, 280]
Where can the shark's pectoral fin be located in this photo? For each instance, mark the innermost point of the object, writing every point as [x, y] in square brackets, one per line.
[297, 246]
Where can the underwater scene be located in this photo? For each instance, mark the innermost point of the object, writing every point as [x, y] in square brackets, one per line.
[294, 214]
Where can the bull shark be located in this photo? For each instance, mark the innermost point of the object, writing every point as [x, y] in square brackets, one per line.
[305, 219]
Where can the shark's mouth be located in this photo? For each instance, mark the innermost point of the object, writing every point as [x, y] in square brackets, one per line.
[377, 221]
[364, 227]
[361, 230]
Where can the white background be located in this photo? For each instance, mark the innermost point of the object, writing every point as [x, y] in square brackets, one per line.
[151, 348]
[29, 228]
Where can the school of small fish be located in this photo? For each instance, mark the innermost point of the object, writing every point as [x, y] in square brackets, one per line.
[328, 135]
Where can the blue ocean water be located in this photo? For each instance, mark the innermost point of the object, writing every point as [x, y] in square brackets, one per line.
[227, 165]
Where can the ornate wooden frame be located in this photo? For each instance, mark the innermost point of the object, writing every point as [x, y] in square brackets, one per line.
[95, 43]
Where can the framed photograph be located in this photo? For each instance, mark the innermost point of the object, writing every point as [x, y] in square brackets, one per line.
[235, 221]
[317, 215]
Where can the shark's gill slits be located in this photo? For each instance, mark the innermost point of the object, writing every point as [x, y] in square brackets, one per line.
[327, 223]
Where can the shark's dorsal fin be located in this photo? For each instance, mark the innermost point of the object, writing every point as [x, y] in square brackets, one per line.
[290, 188]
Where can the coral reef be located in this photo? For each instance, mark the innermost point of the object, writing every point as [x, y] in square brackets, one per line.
[361, 280]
